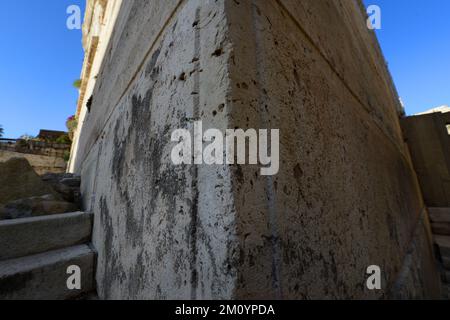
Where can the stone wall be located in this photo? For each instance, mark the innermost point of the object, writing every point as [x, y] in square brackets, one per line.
[429, 141]
[346, 196]
[44, 157]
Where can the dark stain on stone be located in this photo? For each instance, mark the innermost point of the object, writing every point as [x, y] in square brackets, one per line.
[298, 174]
[193, 234]
[174, 26]
[150, 69]
[89, 103]
[10, 285]
[118, 155]
[112, 270]
[137, 276]
[297, 78]
[239, 174]
[217, 53]
[139, 150]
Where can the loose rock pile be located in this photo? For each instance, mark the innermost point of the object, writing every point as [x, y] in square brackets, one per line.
[24, 194]
[66, 184]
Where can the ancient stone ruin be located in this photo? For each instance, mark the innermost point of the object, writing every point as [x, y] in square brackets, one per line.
[42, 231]
[346, 196]
[44, 154]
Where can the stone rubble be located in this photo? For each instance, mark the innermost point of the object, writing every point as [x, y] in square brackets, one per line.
[31, 196]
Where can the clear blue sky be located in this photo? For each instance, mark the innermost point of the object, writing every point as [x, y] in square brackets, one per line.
[415, 38]
[40, 59]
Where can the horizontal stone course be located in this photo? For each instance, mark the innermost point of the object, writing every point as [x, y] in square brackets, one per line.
[439, 214]
[44, 276]
[22, 237]
[222, 232]
[443, 243]
[441, 228]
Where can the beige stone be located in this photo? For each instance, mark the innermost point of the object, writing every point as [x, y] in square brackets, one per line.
[37, 206]
[441, 228]
[18, 180]
[440, 214]
[444, 245]
[338, 205]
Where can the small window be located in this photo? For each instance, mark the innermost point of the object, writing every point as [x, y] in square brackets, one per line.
[448, 129]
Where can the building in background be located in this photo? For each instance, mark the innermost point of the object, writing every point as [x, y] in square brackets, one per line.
[47, 153]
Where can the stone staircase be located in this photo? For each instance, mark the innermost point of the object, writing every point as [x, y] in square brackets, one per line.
[35, 254]
[440, 224]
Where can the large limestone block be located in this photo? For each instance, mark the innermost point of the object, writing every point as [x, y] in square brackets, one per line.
[446, 262]
[66, 184]
[443, 243]
[18, 180]
[439, 215]
[36, 206]
[441, 228]
[24, 237]
[44, 276]
[337, 205]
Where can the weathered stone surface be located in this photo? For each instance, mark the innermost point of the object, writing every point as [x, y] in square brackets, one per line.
[441, 228]
[23, 237]
[71, 182]
[2, 212]
[446, 277]
[40, 163]
[439, 214]
[140, 25]
[18, 180]
[37, 206]
[429, 143]
[446, 262]
[443, 243]
[56, 177]
[338, 204]
[67, 193]
[44, 276]
[67, 185]
[144, 203]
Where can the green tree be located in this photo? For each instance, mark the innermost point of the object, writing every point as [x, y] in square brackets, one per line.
[26, 136]
[77, 83]
[1, 131]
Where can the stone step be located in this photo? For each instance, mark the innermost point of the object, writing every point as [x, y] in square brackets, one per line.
[24, 237]
[44, 276]
[443, 243]
[446, 262]
[441, 228]
[446, 291]
[439, 214]
[445, 276]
